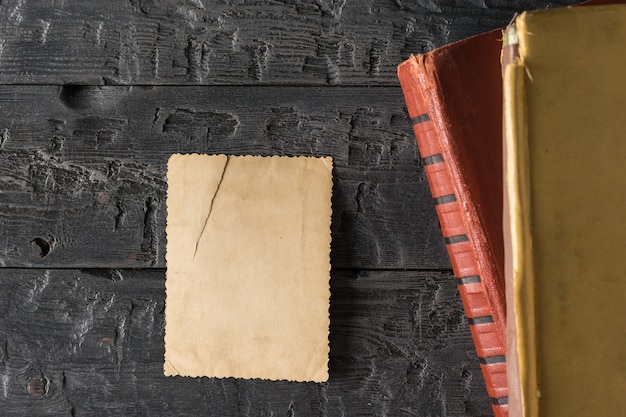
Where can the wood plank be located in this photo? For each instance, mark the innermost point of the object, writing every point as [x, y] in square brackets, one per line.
[83, 180]
[227, 42]
[92, 341]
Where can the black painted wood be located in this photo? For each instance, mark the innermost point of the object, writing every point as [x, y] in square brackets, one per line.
[94, 97]
[232, 42]
[84, 168]
[93, 339]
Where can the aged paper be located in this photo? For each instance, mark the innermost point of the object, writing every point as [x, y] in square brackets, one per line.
[248, 243]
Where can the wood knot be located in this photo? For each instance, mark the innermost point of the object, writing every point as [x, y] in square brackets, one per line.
[37, 387]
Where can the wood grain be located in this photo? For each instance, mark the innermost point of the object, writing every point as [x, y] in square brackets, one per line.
[399, 345]
[175, 42]
[84, 168]
[95, 96]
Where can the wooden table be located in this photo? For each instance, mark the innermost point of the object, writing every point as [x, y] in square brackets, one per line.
[95, 96]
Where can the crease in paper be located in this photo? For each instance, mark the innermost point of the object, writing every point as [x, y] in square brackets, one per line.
[217, 189]
[248, 243]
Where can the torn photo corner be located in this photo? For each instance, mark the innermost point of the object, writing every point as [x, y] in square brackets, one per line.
[248, 267]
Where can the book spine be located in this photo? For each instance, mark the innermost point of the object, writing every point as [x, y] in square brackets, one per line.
[488, 340]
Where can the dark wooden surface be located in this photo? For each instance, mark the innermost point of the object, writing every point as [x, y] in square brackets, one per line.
[94, 97]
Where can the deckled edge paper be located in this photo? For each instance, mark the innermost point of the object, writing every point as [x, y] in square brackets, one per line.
[248, 267]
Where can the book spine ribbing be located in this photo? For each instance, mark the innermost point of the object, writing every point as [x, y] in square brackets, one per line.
[489, 343]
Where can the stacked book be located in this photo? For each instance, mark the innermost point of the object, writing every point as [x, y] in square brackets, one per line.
[522, 133]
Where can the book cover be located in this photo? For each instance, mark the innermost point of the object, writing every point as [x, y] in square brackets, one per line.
[454, 98]
[566, 179]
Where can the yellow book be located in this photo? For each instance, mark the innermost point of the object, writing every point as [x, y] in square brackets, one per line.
[565, 186]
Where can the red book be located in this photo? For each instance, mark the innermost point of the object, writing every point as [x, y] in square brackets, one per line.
[454, 98]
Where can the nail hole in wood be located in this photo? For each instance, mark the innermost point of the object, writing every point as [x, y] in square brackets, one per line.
[39, 247]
